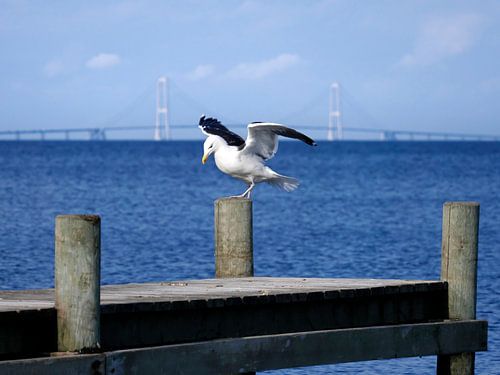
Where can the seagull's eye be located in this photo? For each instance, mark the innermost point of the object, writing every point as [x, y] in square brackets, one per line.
[210, 147]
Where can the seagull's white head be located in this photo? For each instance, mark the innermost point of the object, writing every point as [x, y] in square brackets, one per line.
[212, 144]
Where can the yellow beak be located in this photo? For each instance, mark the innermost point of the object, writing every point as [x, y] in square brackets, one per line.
[204, 159]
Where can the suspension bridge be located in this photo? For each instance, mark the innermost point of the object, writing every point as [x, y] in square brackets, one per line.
[163, 130]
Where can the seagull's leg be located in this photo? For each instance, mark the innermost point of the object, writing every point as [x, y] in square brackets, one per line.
[244, 195]
[241, 195]
[249, 191]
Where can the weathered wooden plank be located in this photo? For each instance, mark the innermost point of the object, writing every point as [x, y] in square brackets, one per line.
[83, 364]
[302, 349]
[204, 290]
[269, 352]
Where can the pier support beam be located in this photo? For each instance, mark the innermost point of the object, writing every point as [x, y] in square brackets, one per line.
[77, 282]
[233, 238]
[459, 269]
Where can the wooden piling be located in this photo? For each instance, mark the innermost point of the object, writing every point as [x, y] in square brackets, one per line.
[77, 282]
[459, 269]
[233, 237]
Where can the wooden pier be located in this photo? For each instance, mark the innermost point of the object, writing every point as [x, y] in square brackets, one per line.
[242, 324]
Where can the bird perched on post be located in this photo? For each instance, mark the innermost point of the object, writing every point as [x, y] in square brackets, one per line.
[245, 159]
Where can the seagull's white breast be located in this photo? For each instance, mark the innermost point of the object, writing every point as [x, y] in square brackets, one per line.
[237, 164]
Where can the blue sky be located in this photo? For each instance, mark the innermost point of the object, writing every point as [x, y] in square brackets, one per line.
[421, 65]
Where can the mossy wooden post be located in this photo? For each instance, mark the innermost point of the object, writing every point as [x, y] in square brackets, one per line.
[459, 269]
[77, 282]
[233, 238]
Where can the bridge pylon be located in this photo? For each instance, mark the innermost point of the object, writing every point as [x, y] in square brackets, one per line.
[97, 134]
[162, 128]
[335, 130]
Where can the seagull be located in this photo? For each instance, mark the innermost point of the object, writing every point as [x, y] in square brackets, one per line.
[245, 159]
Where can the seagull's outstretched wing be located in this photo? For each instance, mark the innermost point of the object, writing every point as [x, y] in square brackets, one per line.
[262, 138]
[212, 126]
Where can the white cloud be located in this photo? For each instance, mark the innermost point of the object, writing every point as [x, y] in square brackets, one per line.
[53, 68]
[200, 72]
[442, 37]
[103, 60]
[260, 69]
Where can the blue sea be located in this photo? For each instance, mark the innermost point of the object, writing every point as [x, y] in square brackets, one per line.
[363, 210]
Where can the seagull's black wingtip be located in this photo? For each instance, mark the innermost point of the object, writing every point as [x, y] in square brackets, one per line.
[202, 119]
[310, 141]
[208, 121]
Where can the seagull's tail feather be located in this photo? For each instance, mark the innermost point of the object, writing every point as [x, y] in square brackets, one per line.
[283, 182]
